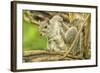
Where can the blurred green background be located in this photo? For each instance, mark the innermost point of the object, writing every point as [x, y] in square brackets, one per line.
[31, 37]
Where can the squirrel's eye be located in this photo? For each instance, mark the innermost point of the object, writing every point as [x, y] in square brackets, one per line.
[45, 27]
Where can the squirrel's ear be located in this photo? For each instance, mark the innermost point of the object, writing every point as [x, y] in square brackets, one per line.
[56, 18]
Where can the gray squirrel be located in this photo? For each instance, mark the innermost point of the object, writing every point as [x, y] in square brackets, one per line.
[60, 36]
